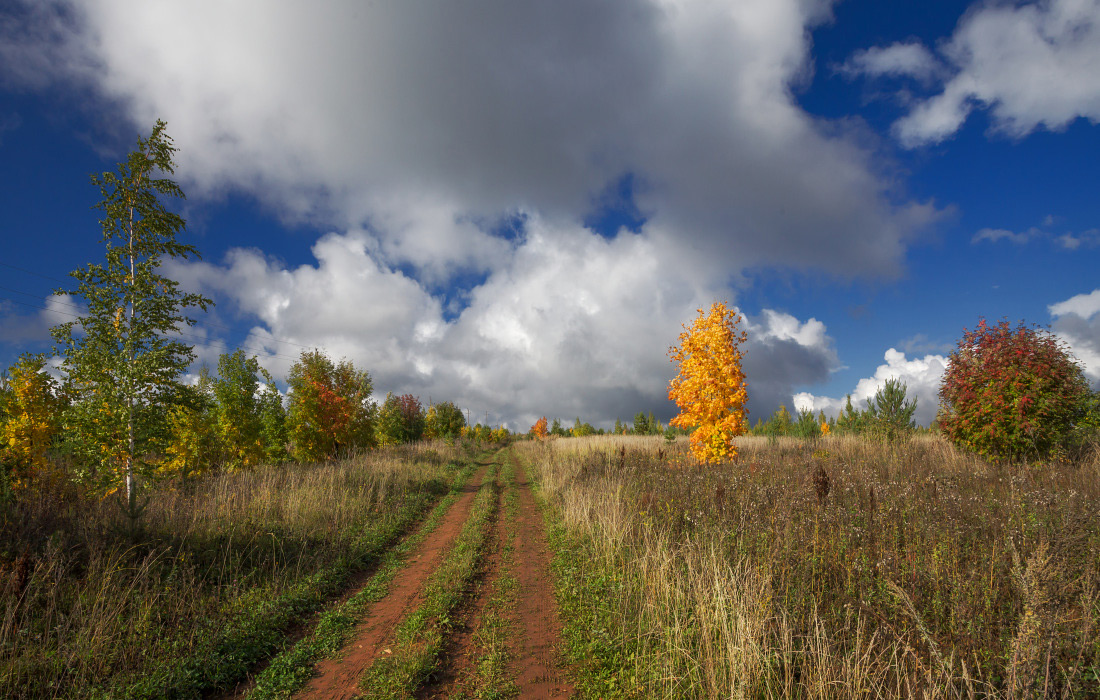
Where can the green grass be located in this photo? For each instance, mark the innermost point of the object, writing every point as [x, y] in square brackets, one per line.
[492, 678]
[601, 657]
[420, 636]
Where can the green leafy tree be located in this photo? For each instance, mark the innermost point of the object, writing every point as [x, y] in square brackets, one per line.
[330, 408]
[444, 420]
[641, 423]
[121, 360]
[193, 447]
[400, 420]
[273, 431]
[556, 429]
[1011, 392]
[889, 413]
[481, 432]
[239, 425]
[582, 429]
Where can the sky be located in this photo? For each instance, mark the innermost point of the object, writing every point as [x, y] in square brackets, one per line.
[516, 206]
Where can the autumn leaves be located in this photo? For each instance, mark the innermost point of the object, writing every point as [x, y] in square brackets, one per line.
[710, 388]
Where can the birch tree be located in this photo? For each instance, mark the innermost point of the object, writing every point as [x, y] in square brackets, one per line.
[122, 360]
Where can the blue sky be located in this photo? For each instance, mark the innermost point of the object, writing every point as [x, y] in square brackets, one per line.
[516, 207]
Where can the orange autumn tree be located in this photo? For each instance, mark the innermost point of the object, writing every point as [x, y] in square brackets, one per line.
[539, 430]
[710, 388]
[330, 408]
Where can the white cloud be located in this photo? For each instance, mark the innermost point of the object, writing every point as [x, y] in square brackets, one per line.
[782, 353]
[418, 123]
[998, 234]
[21, 329]
[921, 376]
[908, 59]
[1077, 323]
[1086, 239]
[1067, 241]
[1030, 65]
[567, 324]
[347, 304]
[1082, 305]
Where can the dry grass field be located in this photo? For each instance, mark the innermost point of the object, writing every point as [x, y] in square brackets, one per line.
[208, 584]
[836, 568]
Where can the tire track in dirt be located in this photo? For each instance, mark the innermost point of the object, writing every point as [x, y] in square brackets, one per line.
[458, 667]
[535, 628]
[337, 679]
[536, 656]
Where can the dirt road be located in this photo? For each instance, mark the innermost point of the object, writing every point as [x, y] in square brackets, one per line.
[504, 634]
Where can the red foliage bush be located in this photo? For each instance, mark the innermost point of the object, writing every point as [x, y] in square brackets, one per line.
[1011, 392]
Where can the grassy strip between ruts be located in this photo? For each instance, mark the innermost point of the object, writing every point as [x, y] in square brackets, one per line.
[603, 661]
[293, 668]
[420, 636]
[258, 629]
[491, 678]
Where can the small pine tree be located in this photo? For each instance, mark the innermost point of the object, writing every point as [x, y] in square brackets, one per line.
[780, 423]
[850, 420]
[889, 413]
[807, 425]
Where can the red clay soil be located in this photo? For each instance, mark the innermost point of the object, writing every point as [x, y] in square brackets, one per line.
[535, 658]
[458, 667]
[338, 679]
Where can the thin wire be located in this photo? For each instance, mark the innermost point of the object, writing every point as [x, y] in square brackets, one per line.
[208, 341]
[208, 323]
[32, 272]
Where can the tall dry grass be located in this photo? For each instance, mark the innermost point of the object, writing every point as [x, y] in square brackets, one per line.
[922, 573]
[87, 599]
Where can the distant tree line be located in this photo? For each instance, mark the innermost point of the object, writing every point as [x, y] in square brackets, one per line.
[643, 424]
[889, 415]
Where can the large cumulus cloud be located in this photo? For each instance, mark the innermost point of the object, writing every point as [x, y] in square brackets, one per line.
[368, 113]
[571, 325]
[413, 129]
